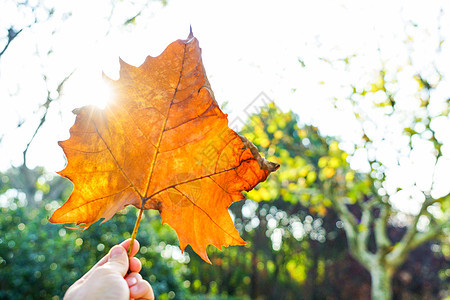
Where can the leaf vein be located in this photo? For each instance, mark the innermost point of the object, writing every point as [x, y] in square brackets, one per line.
[152, 167]
[199, 178]
[96, 199]
[201, 209]
[115, 160]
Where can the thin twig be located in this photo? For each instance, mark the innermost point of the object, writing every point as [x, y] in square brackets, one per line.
[11, 37]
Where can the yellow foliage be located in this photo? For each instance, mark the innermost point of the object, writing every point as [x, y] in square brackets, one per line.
[303, 172]
[297, 272]
[327, 202]
[323, 161]
[271, 128]
[334, 146]
[362, 228]
[328, 172]
[316, 199]
[378, 85]
[305, 197]
[264, 193]
[275, 159]
[302, 133]
[259, 130]
[321, 210]
[265, 142]
[292, 186]
[334, 162]
[349, 176]
[301, 182]
[281, 123]
[254, 195]
[419, 82]
[311, 177]
[278, 134]
[45, 188]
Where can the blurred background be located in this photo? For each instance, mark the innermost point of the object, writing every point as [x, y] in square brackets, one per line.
[352, 98]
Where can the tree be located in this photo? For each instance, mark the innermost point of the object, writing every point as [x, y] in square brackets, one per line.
[409, 124]
[379, 207]
[401, 110]
[297, 245]
[328, 181]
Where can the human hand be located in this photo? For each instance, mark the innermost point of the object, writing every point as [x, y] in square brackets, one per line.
[108, 279]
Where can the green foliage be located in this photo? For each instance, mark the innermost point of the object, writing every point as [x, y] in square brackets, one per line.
[41, 260]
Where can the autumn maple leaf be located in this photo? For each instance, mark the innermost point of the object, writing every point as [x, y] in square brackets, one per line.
[162, 143]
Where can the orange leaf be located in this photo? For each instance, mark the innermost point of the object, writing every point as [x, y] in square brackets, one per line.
[162, 143]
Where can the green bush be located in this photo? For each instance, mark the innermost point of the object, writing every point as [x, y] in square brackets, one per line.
[39, 260]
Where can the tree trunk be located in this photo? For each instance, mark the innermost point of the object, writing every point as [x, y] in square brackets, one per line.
[381, 282]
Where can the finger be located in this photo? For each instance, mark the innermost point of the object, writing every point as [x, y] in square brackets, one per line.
[125, 244]
[118, 260]
[135, 265]
[142, 290]
[133, 278]
[135, 249]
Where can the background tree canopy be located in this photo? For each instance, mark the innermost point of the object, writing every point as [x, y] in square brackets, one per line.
[359, 123]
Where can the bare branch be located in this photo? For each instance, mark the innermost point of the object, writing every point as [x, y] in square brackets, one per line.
[380, 225]
[344, 212]
[412, 238]
[46, 106]
[432, 233]
[356, 239]
[12, 34]
[364, 228]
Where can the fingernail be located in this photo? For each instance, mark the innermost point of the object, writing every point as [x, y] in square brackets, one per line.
[117, 251]
[132, 281]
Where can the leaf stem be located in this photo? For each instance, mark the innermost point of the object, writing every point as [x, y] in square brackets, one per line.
[135, 230]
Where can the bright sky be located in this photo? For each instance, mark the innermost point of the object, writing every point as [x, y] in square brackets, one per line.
[249, 47]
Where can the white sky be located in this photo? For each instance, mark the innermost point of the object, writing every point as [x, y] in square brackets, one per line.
[249, 47]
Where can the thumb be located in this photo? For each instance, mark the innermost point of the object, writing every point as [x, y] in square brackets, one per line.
[118, 260]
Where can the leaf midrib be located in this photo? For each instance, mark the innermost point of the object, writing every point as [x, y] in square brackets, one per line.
[199, 178]
[158, 145]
